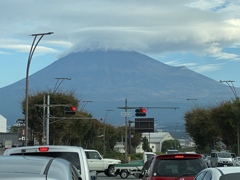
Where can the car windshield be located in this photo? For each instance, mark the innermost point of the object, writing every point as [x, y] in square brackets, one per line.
[224, 155]
[177, 167]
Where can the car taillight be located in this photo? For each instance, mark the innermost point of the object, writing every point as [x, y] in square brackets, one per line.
[43, 149]
[177, 157]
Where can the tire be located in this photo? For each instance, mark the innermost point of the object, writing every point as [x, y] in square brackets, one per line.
[124, 174]
[110, 171]
[106, 172]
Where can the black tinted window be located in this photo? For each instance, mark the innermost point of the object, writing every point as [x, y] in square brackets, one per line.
[177, 167]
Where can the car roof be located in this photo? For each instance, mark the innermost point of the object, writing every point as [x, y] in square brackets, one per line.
[227, 170]
[51, 148]
[31, 164]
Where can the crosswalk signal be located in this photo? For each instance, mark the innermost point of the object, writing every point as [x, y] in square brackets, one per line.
[71, 110]
[140, 112]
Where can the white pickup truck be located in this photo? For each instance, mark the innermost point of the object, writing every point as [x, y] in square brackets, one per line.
[99, 164]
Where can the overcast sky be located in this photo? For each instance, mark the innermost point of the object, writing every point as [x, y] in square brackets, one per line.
[203, 35]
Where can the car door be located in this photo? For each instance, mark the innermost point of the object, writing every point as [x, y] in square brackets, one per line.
[94, 160]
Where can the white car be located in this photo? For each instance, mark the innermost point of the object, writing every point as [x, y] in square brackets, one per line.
[219, 173]
[37, 168]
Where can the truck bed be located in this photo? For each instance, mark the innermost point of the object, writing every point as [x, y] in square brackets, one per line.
[136, 164]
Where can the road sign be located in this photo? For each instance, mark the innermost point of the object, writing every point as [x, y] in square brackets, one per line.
[126, 114]
[144, 125]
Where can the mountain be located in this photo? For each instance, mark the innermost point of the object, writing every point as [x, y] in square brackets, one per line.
[107, 78]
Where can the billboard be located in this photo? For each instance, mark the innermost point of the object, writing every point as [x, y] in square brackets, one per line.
[144, 125]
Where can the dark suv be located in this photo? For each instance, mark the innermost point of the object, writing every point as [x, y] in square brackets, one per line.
[174, 167]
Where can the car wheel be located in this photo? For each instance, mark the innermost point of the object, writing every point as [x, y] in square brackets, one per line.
[111, 171]
[106, 172]
[124, 174]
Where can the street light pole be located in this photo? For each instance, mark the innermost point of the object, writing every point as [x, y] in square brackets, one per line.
[84, 104]
[194, 102]
[230, 84]
[104, 131]
[33, 47]
[58, 83]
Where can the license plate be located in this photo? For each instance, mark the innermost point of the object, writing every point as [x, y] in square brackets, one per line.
[225, 165]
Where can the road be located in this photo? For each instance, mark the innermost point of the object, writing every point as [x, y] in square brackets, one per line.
[102, 176]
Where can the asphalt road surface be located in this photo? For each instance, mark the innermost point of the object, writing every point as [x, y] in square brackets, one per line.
[102, 176]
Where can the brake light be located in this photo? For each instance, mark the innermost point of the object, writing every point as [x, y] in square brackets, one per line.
[178, 157]
[43, 149]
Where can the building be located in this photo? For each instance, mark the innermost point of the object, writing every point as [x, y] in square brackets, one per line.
[119, 147]
[155, 140]
[3, 124]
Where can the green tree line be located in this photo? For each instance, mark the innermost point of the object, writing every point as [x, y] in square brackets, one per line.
[81, 129]
[214, 127]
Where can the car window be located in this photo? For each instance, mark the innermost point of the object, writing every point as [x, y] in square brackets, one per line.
[200, 176]
[92, 155]
[177, 167]
[74, 171]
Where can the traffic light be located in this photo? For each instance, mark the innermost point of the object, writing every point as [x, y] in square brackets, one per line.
[71, 110]
[140, 112]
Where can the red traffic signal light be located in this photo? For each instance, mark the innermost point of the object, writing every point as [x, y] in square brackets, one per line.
[140, 112]
[70, 110]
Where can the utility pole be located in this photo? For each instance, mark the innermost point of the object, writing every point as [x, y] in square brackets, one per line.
[129, 135]
[47, 122]
[44, 120]
[125, 145]
[104, 131]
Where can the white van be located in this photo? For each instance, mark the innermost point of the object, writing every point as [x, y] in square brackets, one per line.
[73, 154]
[221, 158]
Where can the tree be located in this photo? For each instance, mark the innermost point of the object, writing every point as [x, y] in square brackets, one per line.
[213, 125]
[80, 129]
[13, 129]
[170, 144]
[200, 128]
[145, 145]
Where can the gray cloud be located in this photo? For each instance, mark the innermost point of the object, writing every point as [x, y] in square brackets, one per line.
[145, 26]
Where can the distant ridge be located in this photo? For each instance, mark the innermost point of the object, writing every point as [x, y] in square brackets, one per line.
[109, 77]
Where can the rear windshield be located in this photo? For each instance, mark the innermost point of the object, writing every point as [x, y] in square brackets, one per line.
[70, 156]
[177, 167]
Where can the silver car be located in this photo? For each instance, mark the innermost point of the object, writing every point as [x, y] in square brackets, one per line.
[37, 168]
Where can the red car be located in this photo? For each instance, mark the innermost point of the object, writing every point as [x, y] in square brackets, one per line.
[180, 166]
